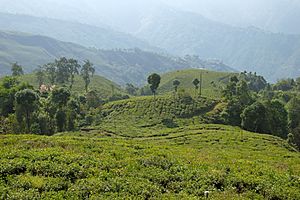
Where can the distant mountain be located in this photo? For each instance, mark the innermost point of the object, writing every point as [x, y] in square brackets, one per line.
[273, 55]
[86, 35]
[121, 66]
[280, 16]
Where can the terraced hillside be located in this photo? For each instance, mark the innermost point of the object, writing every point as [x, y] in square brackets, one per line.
[227, 162]
[212, 81]
[146, 116]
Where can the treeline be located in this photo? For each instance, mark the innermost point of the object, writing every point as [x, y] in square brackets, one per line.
[253, 104]
[51, 108]
[26, 110]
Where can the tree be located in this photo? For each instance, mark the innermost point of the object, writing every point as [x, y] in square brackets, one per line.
[277, 118]
[154, 81]
[60, 97]
[293, 108]
[196, 83]
[17, 70]
[26, 103]
[8, 88]
[243, 93]
[131, 89]
[231, 88]
[72, 113]
[176, 83]
[40, 76]
[62, 70]
[50, 69]
[254, 118]
[87, 71]
[74, 67]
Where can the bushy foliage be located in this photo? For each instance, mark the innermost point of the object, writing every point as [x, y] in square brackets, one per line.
[182, 165]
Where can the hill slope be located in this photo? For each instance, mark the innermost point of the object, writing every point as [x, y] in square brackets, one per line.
[121, 66]
[223, 160]
[86, 35]
[211, 81]
[272, 55]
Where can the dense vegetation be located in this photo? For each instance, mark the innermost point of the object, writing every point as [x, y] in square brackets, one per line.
[227, 162]
[148, 147]
[53, 106]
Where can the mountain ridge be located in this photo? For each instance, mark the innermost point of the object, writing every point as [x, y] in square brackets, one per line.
[121, 66]
[250, 49]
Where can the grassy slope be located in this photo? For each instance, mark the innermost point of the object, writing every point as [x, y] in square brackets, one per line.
[100, 84]
[231, 164]
[186, 78]
[148, 117]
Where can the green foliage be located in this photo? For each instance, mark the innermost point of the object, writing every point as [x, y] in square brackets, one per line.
[154, 81]
[277, 118]
[255, 82]
[212, 82]
[284, 85]
[26, 103]
[254, 118]
[40, 76]
[60, 96]
[293, 108]
[86, 72]
[183, 164]
[17, 70]
[176, 84]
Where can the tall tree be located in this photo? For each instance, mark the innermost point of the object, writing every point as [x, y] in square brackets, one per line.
[154, 81]
[63, 70]
[26, 103]
[277, 118]
[87, 71]
[51, 69]
[196, 83]
[60, 97]
[254, 118]
[40, 76]
[74, 67]
[176, 84]
[17, 70]
[293, 108]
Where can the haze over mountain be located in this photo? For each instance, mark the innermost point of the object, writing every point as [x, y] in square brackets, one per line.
[121, 66]
[273, 55]
[223, 30]
[272, 15]
[83, 34]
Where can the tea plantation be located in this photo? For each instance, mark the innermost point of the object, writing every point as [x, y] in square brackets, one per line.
[226, 161]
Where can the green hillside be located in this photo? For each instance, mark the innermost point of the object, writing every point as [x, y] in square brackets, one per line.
[274, 55]
[121, 66]
[227, 162]
[100, 84]
[146, 116]
[211, 81]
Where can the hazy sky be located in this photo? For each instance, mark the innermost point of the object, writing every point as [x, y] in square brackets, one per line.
[274, 15]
